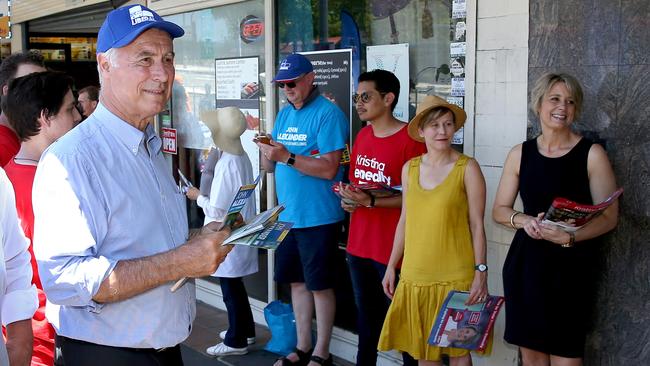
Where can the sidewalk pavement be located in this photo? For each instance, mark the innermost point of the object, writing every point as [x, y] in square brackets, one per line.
[205, 333]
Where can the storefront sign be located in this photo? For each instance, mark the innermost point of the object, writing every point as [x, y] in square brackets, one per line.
[393, 58]
[251, 29]
[169, 141]
[334, 76]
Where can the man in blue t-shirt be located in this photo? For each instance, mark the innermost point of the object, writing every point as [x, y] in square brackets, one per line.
[305, 151]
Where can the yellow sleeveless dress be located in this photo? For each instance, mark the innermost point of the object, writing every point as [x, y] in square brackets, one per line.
[438, 257]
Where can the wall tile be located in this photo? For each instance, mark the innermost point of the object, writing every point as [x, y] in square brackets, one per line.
[500, 130]
[569, 33]
[516, 65]
[486, 66]
[490, 98]
[491, 155]
[635, 38]
[506, 32]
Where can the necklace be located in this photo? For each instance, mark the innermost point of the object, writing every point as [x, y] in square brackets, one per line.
[26, 159]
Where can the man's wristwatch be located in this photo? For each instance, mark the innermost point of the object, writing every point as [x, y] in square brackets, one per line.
[292, 159]
[481, 267]
[372, 202]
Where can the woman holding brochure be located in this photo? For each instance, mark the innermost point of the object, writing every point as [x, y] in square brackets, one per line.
[439, 236]
[548, 272]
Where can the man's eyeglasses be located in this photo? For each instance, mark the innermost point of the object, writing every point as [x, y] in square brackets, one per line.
[290, 84]
[363, 97]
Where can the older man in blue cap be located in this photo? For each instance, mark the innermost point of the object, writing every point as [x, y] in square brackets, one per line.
[305, 151]
[111, 233]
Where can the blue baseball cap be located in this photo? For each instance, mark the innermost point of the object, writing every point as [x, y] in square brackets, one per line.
[125, 24]
[292, 67]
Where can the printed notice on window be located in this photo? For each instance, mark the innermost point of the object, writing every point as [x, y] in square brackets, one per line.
[459, 9]
[457, 87]
[457, 48]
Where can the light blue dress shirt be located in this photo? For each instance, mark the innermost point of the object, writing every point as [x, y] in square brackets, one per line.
[103, 193]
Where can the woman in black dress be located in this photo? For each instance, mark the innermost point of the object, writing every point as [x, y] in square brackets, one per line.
[547, 279]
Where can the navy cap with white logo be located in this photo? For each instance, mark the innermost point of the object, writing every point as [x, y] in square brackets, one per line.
[292, 67]
[125, 24]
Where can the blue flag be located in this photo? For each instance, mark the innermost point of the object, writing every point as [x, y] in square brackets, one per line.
[350, 39]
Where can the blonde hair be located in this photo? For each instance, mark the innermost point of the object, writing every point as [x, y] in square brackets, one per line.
[547, 81]
[434, 114]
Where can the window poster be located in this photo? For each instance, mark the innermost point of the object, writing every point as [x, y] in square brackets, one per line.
[393, 58]
[333, 76]
[459, 9]
[238, 85]
[457, 53]
[458, 136]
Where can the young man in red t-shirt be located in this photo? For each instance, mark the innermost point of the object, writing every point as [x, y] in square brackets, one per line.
[12, 67]
[41, 108]
[378, 154]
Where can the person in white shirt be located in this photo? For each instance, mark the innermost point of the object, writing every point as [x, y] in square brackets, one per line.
[232, 170]
[18, 299]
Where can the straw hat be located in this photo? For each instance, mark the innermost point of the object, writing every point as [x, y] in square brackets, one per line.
[427, 104]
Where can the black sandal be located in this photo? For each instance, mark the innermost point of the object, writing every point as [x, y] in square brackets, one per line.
[303, 358]
[322, 361]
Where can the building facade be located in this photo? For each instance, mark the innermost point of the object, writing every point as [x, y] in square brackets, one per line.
[483, 55]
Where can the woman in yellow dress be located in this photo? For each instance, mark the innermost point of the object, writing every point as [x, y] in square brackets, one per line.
[440, 236]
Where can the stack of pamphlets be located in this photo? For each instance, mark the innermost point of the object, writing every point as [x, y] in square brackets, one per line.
[263, 231]
[375, 189]
[571, 216]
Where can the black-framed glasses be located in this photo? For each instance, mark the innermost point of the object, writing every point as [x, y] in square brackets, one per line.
[363, 97]
[290, 84]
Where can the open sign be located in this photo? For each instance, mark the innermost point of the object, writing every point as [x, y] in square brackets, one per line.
[251, 28]
[169, 140]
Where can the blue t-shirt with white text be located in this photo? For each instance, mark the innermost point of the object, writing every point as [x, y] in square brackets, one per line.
[318, 128]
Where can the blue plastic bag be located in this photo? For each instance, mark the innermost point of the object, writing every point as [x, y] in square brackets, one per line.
[282, 324]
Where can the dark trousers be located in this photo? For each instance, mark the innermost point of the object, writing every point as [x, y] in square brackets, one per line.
[372, 305]
[240, 316]
[72, 352]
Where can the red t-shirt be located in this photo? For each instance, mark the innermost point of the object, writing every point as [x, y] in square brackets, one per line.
[22, 178]
[9, 145]
[372, 230]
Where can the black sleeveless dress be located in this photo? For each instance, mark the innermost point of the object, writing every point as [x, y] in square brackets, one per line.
[548, 288]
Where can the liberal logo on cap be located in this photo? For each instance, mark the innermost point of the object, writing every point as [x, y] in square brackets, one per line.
[285, 65]
[125, 24]
[138, 15]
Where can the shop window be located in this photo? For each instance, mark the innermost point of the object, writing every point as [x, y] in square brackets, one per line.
[433, 30]
[225, 32]
[431, 60]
